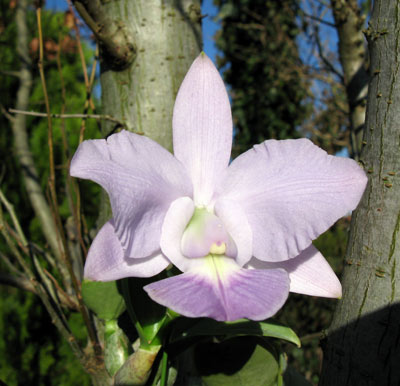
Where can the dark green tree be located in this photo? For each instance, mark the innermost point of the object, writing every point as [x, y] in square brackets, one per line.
[31, 349]
[262, 66]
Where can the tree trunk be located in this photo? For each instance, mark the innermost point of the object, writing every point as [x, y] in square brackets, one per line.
[167, 38]
[352, 53]
[363, 343]
[146, 48]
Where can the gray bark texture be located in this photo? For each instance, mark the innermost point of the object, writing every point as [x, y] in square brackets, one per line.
[167, 38]
[353, 58]
[363, 342]
[159, 40]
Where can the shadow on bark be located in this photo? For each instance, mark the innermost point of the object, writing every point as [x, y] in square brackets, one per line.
[364, 352]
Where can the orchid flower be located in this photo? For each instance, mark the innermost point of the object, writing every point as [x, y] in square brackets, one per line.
[241, 233]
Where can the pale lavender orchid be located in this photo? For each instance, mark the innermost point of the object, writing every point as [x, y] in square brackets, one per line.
[241, 234]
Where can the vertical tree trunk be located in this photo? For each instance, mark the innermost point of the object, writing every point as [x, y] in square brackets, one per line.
[146, 48]
[167, 38]
[352, 53]
[363, 344]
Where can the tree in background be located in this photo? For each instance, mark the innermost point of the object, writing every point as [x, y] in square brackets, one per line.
[338, 73]
[363, 341]
[263, 68]
[349, 21]
[33, 345]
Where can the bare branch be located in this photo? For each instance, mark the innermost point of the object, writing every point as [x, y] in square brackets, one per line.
[63, 296]
[10, 210]
[9, 264]
[16, 74]
[6, 113]
[52, 182]
[68, 116]
[113, 36]
[17, 281]
[325, 60]
[21, 142]
[319, 20]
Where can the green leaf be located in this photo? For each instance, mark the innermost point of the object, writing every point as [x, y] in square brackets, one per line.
[149, 317]
[184, 329]
[116, 347]
[103, 299]
[240, 361]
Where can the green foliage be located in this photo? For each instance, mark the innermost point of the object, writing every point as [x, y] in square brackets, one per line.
[103, 298]
[32, 352]
[263, 68]
[238, 361]
[185, 328]
[148, 316]
[69, 77]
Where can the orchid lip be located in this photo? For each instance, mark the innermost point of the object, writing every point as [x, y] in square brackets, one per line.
[206, 234]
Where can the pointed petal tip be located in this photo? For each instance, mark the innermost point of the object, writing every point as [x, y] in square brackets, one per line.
[204, 58]
[309, 273]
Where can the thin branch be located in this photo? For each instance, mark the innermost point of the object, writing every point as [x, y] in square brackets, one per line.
[42, 293]
[68, 116]
[16, 237]
[15, 74]
[52, 183]
[319, 20]
[10, 210]
[6, 113]
[113, 36]
[17, 282]
[10, 265]
[11, 245]
[69, 181]
[63, 296]
[23, 151]
[328, 64]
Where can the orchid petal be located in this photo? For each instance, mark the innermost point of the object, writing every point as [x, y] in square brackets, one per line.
[141, 178]
[106, 261]
[202, 127]
[309, 273]
[177, 218]
[291, 192]
[235, 221]
[220, 289]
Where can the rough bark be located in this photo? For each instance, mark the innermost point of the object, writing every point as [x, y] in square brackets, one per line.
[362, 346]
[167, 37]
[113, 37]
[21, 142]
[353, 54]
